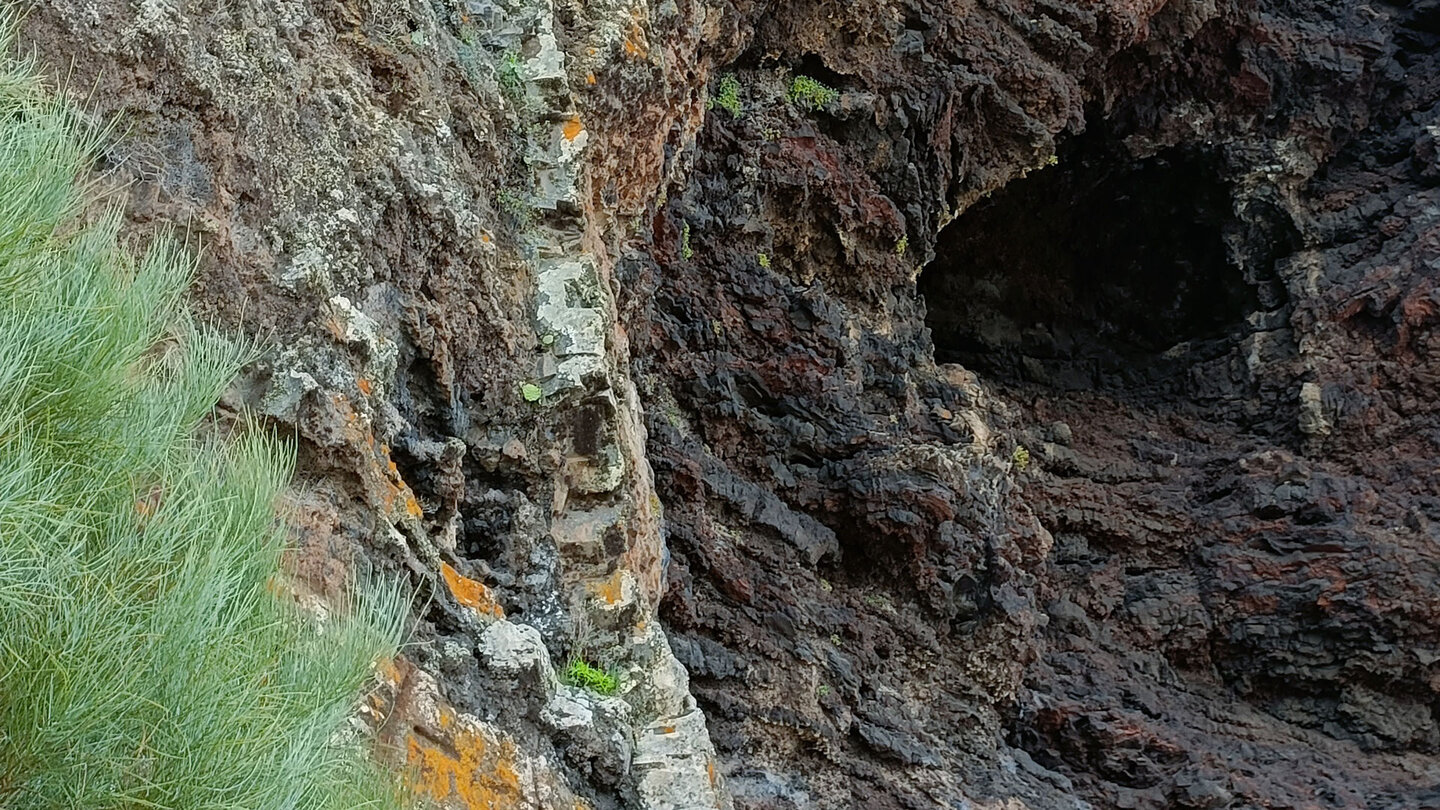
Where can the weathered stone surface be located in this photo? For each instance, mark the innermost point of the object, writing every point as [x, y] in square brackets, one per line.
[1222, 291]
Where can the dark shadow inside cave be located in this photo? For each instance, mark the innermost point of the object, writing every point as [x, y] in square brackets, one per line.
[1101, 272]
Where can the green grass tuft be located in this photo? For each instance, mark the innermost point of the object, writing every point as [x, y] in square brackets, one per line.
[580, 673]
[145, 661]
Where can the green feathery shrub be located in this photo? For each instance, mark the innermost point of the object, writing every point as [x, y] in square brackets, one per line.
[146, 660]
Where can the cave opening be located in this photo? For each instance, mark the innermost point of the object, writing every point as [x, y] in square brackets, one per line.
[1101, 272]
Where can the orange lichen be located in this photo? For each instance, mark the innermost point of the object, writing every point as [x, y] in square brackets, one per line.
[388, 669]
[611, 589]
[572, 128]
[335, 327]
[636, 43]
[365, 386]
[385, 489]
[470, 593]
[468, 772]
[589, 78]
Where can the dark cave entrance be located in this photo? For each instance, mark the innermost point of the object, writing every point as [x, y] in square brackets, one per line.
[1102, 272]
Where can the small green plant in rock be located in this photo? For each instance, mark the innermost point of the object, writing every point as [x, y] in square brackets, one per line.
[581, 673]
[902, 245]
[531, 392]
[516, 206]
[1020, 458]
[763, 259]
[823, 690]
[727, 97]
[511, 76]
[686, 252]
[811, 94]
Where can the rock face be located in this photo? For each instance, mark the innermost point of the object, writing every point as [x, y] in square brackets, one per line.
[915, 404]
[1209, 577]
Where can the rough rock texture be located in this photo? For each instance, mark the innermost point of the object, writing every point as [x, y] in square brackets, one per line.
[392, 200]
[1209, 577]
[1047, 419]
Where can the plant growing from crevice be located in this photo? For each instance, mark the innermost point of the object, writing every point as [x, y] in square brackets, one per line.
[519, 209]
[510, 74]
[1020, 458]
[686, 252]
[727, 97]
[585, 675]
[810, 93]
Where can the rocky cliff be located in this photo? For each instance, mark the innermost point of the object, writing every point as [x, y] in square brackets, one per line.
[914, 404]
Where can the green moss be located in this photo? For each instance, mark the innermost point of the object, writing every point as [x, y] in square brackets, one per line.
[763, 259]
[811, 94]
[727, 97]
[901, 245]
[531, 392]
[686, 252]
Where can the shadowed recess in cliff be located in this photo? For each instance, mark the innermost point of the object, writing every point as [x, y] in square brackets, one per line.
[1098, 272]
